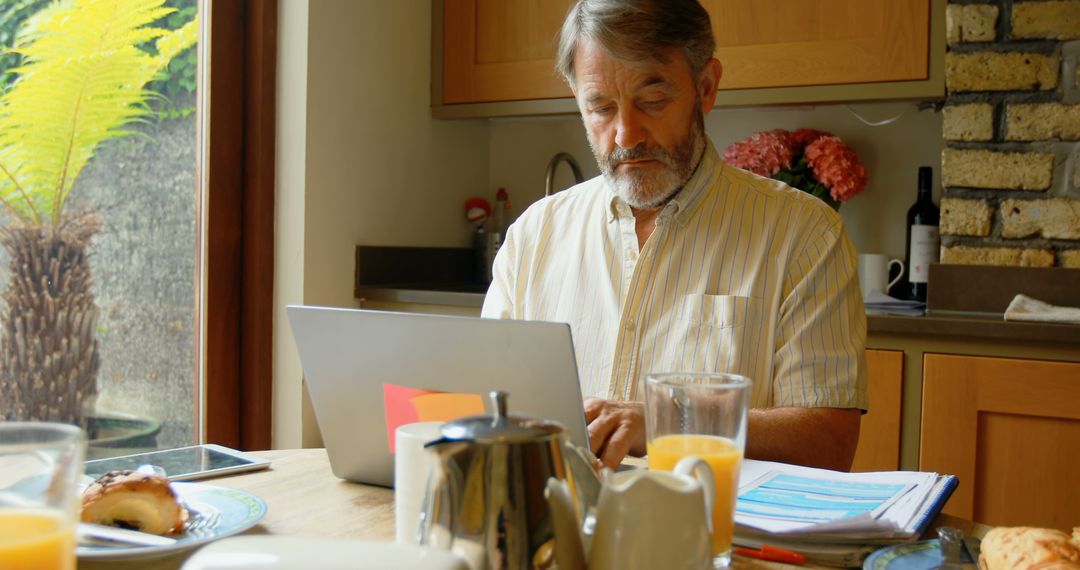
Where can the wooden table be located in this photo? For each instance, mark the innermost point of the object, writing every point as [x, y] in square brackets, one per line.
[304, 498]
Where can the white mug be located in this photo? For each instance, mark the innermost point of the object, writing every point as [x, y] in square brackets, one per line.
[412, 468]
[874, 273]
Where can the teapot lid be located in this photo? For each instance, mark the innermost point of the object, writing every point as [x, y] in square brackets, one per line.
[501, 428]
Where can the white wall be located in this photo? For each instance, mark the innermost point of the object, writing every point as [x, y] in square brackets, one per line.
[290, 163]
[366, 164]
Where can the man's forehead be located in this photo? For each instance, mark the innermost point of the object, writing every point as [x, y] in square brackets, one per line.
[592, 62]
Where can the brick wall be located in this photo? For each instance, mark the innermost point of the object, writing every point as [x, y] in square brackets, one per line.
[1011, 169]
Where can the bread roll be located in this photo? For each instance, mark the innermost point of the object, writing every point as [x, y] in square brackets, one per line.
[134, 500]
[1029, 548]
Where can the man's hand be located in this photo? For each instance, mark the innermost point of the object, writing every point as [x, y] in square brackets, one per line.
[615, 429]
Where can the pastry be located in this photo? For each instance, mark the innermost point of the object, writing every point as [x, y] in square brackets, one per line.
[134, 500]
[1029, 548]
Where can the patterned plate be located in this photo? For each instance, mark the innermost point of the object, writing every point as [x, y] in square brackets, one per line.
[922, 555]
[213, 513]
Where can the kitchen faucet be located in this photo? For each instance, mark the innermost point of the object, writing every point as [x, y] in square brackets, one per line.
[549, 180]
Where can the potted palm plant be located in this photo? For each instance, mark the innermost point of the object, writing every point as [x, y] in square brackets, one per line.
[85, 66]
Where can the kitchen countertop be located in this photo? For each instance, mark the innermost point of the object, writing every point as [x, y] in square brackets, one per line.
[937, 323]
[983, 326]
[454, 294]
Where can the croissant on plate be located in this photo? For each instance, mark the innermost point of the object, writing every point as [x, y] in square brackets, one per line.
[134, 500]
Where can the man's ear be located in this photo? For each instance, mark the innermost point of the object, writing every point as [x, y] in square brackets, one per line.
[708, 82]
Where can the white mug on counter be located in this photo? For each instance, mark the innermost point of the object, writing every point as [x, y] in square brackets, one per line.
[874, 273]
[412, 467]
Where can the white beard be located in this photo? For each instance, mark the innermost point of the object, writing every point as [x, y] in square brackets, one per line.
[647, 190]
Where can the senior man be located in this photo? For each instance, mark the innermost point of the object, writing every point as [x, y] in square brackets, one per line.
[672, 261]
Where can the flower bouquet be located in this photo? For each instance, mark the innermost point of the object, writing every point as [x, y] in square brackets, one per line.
[815, 162]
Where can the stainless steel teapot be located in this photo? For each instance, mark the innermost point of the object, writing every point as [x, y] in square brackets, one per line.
[486, 496]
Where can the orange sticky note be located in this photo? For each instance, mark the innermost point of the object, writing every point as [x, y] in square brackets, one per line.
[407, 405]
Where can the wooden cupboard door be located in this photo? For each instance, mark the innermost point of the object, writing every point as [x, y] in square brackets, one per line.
[1010, 430]
[879, 431]
[786, 43]
[501, 50]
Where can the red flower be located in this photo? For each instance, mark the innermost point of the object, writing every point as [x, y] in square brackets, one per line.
[813, 161]
[802, 138]
[836, 166]
[764, 153]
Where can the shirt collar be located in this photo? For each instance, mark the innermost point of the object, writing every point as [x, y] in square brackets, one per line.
[684, 201]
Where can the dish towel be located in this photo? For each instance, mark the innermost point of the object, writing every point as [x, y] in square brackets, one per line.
[1024, 308]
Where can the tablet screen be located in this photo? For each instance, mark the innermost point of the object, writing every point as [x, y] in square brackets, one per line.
[176, 462]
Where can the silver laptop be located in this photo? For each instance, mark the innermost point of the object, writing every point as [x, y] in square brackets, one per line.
[349, 356]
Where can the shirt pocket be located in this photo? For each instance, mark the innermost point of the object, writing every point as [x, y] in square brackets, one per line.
[712, 333]
[718, 311]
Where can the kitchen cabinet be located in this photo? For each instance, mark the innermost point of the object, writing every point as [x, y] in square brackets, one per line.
[1009, 428]
[501, 50]
[497, 57]
[788, 43]
[879, 431]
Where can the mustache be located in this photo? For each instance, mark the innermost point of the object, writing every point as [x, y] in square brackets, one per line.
[640, 152]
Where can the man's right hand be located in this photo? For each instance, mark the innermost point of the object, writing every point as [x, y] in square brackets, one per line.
[615, 429]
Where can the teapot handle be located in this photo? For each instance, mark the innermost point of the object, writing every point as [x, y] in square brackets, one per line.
[697, 468]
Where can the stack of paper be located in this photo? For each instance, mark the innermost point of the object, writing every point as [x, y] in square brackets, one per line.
[881, 304]
[833, 517]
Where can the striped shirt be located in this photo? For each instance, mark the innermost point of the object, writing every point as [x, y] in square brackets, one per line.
[742, 274]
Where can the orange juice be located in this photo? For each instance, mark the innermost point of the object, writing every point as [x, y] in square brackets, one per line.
[723, 457]
[36, 540]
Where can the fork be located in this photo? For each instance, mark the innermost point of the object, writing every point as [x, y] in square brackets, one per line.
[200, 523]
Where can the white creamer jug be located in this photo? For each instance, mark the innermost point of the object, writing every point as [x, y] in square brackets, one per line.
[644, 520]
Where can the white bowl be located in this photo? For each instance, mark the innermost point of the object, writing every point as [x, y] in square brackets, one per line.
[275, 552]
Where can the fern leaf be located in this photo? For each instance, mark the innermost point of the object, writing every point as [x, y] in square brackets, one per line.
[81, 83]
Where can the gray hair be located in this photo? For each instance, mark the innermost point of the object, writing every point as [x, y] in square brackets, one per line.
[637, 31]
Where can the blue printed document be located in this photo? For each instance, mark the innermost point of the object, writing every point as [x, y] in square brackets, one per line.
[781, 499]
[834, 518]
[817, 500]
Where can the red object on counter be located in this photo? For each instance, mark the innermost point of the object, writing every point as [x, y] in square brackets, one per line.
[772, 554]
[477, 209]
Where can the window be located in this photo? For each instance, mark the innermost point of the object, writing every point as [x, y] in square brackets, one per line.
[130, 220]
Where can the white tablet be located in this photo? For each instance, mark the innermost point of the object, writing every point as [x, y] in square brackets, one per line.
[184, 463]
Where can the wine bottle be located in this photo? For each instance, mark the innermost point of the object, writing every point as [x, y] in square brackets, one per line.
[923, 241]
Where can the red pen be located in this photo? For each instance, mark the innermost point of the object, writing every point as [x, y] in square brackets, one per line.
[772, 554]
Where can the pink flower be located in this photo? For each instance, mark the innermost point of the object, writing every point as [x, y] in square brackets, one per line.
[814, 161]
[802, 138]
[764, 153]
[836, 166]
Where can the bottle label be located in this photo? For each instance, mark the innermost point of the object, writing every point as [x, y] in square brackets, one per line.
[925, 249]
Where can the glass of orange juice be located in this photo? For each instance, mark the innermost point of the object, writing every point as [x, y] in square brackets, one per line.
[40, 468]
[701, 414]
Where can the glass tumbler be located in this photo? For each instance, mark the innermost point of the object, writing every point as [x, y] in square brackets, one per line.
[701, 414]
[41, 465]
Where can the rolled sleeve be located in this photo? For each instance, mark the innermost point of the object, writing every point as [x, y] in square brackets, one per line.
[821, 334]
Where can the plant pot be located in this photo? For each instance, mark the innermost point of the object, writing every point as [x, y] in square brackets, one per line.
[111, 434]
